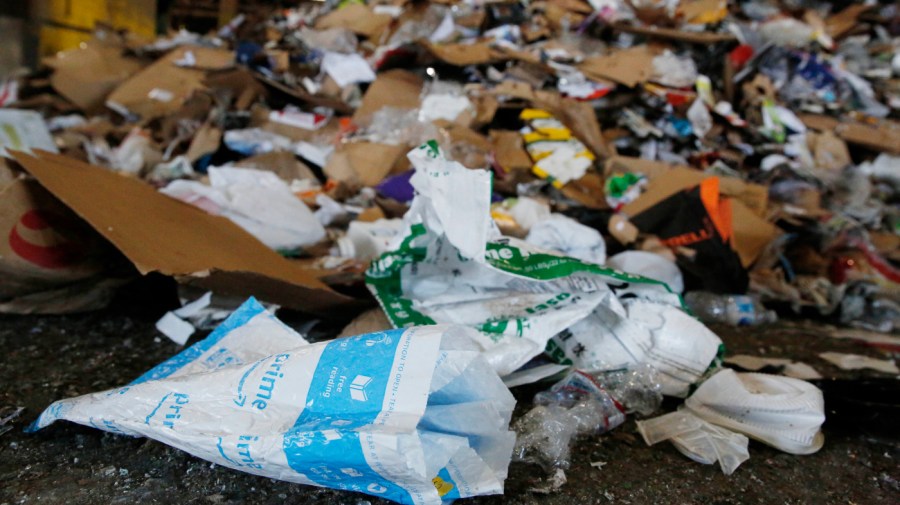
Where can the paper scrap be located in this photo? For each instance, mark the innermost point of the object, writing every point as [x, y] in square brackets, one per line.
[858, 362]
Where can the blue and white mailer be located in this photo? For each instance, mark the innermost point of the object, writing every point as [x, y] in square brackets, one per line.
[412, 415]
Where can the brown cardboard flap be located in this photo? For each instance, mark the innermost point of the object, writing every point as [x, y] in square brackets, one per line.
[393, 88]
[630, 66]
[365, 163]
[284, 164]
[509, 150]
[357, 18]
[87, 74]
[839, 24]
[883, 135]
[463, 54]
[163, 87]
[752, 234]
[666, 182]
[161, 234]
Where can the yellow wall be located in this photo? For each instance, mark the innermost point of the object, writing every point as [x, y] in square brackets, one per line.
[138, 16]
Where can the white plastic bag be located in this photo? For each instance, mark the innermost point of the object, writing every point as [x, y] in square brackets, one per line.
[454, 267]
[257, 201]
[415, 416]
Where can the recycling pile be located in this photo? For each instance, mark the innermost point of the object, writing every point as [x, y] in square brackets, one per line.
[546, 177]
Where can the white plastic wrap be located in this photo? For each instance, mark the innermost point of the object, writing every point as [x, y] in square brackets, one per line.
[257, 201]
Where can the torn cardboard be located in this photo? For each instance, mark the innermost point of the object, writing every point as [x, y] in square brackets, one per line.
[161, 234]
[366, 163]
[88, 74]
[463, 54]
[883, 135]
[359, 19]
[284, 164]
[393, 88]
[163, 87]
[629, 67]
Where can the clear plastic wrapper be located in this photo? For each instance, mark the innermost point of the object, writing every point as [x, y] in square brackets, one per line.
[576, 406]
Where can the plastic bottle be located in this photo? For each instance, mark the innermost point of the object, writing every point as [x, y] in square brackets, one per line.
[573, 407]
[736, 310]
[366, 241]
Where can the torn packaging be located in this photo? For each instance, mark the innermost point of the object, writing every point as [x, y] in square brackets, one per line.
[161, 234]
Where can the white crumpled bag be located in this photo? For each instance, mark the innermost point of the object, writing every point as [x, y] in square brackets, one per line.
[257, 201]
[415, 416]
[454, 267]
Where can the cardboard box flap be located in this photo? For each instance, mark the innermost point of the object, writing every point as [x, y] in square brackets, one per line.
[463, 54]
[163, 87]
[359, 19]
[883, 135]
[839, 24]
[630, 66]
[161, 234]
[87, 74]
[393, 88]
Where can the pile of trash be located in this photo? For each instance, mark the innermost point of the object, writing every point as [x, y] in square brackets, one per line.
[526, 190]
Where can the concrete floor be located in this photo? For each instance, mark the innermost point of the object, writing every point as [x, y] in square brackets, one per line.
[47, 358]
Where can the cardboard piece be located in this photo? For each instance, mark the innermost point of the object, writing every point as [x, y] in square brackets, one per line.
[244, 88]
[509, 151]
[301, 95]
[88, 74]
[839, 24]
[658, 32]
[629, 67]
[163, 87]
[883, 135]
[205, 141]
[463, 54]
[359, 19]
[51, 262]
[393, 88]
[161, 234]
[366, 163]
[702, 11]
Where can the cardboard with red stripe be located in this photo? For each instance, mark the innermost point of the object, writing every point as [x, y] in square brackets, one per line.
[50, 260]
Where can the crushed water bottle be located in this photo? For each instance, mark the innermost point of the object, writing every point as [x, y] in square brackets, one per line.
[736, 310]
[573, 407]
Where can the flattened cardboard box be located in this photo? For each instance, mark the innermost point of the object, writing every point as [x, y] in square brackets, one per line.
[161, 234]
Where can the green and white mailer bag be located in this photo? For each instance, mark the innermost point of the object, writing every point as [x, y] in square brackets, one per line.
[412, 415]
[454, 267]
